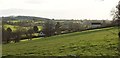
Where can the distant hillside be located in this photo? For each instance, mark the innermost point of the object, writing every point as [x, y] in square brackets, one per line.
[23, 18]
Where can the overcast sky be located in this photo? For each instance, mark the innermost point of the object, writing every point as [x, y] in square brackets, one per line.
[64, 9]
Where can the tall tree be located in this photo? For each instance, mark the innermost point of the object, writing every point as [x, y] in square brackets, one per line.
[117, 20]
[116, 16]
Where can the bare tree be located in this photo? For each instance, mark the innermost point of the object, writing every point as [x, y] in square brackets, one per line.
[117, 17]
[58, 28]
[29, 33]
[70, 26]
[49, 28]
[116, 21]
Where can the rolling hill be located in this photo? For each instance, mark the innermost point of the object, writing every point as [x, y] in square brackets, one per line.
[23, 18]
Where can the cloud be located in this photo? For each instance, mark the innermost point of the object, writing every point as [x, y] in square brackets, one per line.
[58, 8]
[14, 11]
[34, 1]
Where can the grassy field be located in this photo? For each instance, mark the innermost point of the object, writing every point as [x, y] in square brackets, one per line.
[98, 42]
[10, 26]
[14, 28]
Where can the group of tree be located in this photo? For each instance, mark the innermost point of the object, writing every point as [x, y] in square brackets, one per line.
[51, 27]
[9, 35]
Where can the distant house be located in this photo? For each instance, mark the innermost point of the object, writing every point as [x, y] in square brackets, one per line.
[95, 25]
[41, 34]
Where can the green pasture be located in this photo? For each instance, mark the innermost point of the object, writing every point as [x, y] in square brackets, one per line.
[14, 28]
[98, 42]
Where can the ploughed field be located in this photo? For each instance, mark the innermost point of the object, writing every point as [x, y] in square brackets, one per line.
[97, 42]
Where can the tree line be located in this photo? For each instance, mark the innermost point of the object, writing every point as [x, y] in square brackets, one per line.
[50, 28]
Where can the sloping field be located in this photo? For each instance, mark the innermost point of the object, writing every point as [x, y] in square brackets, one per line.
[98, 42]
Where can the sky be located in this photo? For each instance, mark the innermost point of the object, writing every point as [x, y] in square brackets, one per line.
[59, 9]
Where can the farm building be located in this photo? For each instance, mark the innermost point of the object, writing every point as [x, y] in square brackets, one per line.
[96, 23]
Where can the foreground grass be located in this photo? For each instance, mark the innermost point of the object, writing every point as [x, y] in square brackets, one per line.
[99, 42]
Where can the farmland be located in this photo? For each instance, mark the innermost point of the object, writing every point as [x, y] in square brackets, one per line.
[98, 42]
[14, 28]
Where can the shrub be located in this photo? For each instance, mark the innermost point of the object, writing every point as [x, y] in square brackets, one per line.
[35, 28]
